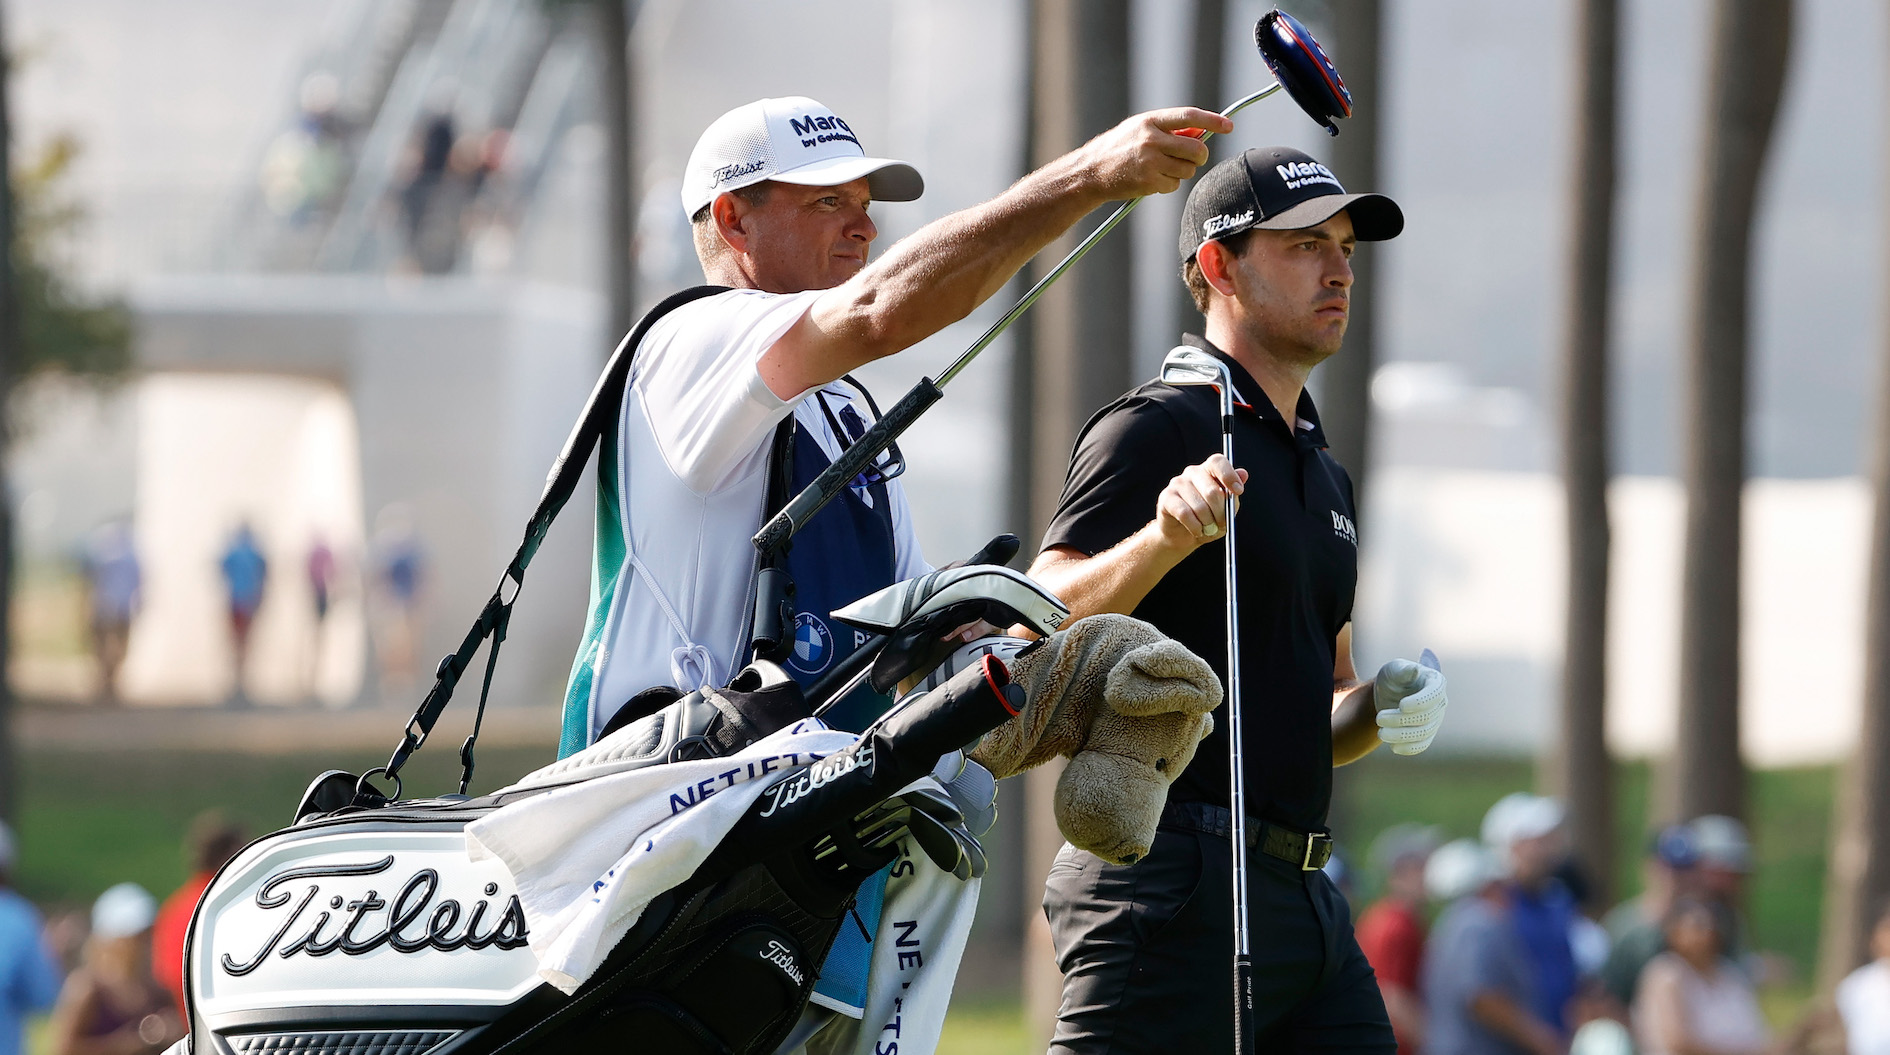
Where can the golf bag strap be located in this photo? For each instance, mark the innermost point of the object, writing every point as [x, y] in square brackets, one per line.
[600, 415]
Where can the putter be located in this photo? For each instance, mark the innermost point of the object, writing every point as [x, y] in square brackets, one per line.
[1184, 367]
[1299, 67]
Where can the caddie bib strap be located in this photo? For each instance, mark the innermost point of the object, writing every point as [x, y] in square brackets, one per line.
[845, 552]
[596, 422]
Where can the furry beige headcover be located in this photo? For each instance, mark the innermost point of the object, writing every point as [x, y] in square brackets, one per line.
[1127, 706]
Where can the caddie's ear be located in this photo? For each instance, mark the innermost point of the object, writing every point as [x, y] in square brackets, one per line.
[730, 214]
[1215, 260]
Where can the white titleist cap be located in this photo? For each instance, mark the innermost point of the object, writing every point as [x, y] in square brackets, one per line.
[792, 140]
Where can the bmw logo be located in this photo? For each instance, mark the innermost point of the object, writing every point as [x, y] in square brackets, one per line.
[813, 645]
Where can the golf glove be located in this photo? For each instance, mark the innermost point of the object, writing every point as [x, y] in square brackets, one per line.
[1410, 701]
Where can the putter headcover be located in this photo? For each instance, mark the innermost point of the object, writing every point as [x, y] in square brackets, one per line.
[1302, 68]
[1127, 706]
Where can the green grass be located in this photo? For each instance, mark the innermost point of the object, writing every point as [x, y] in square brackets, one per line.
[984, 1026]
[89, 820]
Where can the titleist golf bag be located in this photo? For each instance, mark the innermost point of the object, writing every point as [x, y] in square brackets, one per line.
[366, 929]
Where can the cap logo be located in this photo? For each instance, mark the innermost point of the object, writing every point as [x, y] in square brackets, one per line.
[1298, 174]
[734, 172]
[816, 129]
[1214, 225]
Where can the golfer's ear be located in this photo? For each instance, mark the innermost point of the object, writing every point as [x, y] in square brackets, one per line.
[1214, 259]
[729, 212]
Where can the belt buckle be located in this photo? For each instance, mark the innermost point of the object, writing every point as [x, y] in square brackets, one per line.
[1312, 841]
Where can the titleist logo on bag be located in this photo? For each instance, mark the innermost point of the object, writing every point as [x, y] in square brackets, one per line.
[367, 922]
[821, 772]
[352, 915]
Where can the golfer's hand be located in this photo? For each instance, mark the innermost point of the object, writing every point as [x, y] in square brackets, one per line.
[1147, 154]
[1192, 509]
[1410, 700]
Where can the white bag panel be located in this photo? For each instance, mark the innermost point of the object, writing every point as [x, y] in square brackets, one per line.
[394, 917]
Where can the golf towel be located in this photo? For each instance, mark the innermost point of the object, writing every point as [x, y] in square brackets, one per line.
[589, 857]
[913, 963]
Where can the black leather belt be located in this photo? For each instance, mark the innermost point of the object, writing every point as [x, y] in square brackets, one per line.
[1310, 851]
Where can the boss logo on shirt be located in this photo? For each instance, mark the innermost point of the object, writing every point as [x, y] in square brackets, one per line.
[1343, 527]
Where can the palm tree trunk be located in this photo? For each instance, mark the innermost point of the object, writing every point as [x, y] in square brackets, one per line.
[1205, 49]
[1751, 42]
[11, 338]
[1857, 882]
[1081, 357]
[1345, 385]
[620, 180]
[1579, 769]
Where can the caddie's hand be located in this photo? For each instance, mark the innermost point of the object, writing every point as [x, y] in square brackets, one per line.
[1410, 700]
[1192, 509]
[1147, 154]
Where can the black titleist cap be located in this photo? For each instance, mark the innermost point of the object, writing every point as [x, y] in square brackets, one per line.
[1278, 189]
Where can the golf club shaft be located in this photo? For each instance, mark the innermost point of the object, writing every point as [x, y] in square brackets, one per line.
[1243, 948]
[852, 461]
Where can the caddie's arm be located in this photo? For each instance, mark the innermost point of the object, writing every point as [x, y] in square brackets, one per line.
[1190, 513]
[947, 268]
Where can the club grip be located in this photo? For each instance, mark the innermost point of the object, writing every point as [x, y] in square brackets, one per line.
[837, 476]
[1243, 1005]
[1192, 133]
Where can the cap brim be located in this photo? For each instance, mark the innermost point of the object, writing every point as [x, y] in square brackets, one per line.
[1375, 218]
[886, 179]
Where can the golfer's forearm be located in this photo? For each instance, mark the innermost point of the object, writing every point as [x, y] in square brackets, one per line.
[1114, 580]
[940, 274]
[1354, 722]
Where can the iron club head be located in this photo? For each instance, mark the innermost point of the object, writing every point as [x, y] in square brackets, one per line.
[1186, 365]
[1302, 68]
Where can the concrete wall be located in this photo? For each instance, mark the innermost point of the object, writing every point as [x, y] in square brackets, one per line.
[462, 391]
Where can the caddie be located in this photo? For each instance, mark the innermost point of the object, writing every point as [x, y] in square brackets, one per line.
[778, 193]
[1146, 949]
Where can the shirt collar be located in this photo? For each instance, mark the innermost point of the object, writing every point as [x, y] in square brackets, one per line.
[1260, 406]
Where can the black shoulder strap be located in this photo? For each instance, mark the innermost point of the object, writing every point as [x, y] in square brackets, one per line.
[599, 417]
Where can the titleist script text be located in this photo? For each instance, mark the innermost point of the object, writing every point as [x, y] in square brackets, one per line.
[828, 769]
[401, 928]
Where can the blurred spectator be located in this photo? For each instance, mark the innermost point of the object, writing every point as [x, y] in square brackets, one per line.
[111, 1005]
[245, 572]
[1479, 984]
[1863, 997]
[113, 580]
[323, 570]
[400, 580]
[1635, 925]
[1692, 999]
[213, 840]
[1724, 860]
[1391, 930]
[29, 978]
[1525, 832]
[304, 168]
[420, 206]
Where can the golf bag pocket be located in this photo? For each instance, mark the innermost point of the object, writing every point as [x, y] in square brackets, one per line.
[739, 990]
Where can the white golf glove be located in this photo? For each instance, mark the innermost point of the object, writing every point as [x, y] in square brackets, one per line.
[1410, 700]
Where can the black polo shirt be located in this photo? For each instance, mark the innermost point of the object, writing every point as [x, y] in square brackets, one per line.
[1298, 568]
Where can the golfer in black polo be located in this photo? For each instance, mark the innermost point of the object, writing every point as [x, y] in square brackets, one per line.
[1146, 949]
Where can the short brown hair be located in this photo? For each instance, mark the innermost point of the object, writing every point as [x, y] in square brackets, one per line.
[702, 224]
[1196, 282]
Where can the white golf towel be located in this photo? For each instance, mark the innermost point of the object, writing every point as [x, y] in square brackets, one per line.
[589, 857]
[921, 940]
